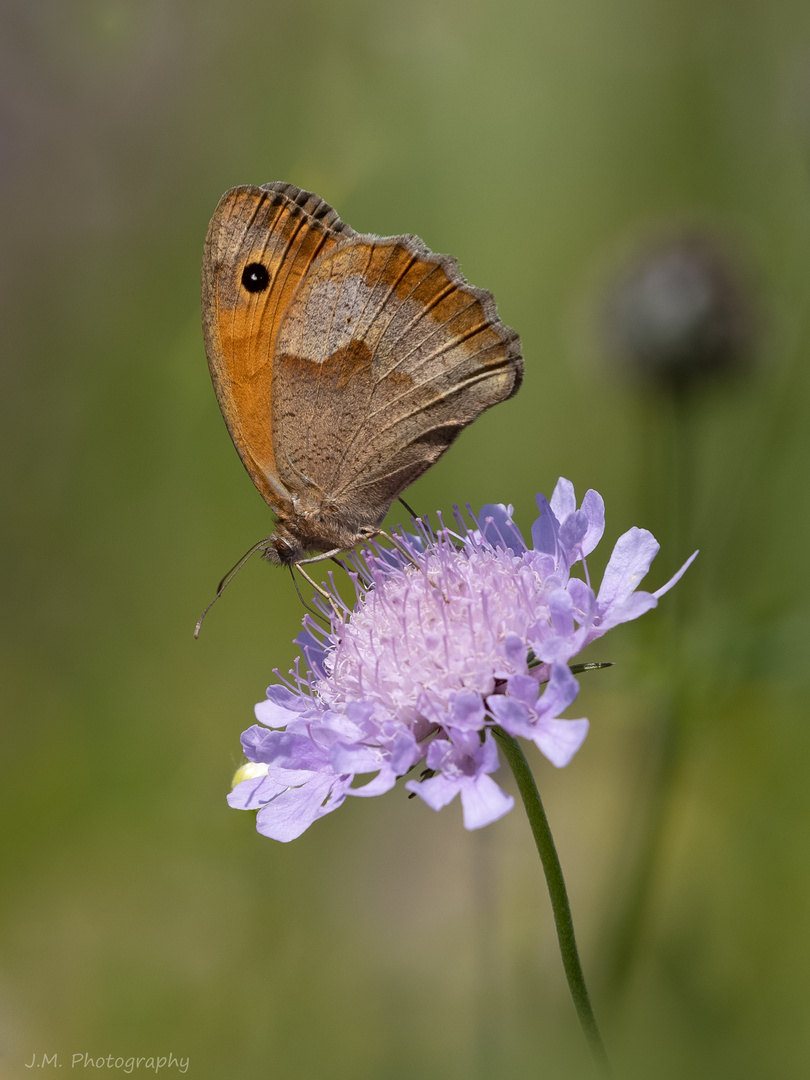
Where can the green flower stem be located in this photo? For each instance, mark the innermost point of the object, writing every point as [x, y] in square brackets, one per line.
[557, 892]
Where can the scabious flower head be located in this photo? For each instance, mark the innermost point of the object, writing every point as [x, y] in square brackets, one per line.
[456, 632]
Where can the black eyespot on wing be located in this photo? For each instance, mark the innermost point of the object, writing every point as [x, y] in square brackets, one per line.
[255, 277]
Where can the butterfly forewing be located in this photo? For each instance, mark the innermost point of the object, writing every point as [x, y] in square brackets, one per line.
[260, 246]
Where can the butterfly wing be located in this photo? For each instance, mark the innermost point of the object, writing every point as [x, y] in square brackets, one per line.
[384, 355]
[260, 245]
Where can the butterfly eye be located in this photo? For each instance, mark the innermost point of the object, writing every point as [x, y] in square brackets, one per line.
[255, 277]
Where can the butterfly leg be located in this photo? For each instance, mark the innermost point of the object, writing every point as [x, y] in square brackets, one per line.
[319, 588]
[399, 546]
[413, 513]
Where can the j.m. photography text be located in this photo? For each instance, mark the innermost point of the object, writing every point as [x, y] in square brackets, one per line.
[126, 1064]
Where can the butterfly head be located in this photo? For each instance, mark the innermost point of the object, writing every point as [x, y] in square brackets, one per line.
[325, 529]
[283, 549]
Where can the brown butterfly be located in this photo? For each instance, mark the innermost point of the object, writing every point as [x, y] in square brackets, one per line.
[344, 364]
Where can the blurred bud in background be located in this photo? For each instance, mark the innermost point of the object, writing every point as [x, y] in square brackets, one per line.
[679, 310]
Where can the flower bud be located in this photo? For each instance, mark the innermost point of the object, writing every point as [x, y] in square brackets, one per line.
[680, 311]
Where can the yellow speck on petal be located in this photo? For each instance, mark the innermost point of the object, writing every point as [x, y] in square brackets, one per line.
[249, 771]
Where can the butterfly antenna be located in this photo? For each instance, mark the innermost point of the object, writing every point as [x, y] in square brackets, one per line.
[234, 570]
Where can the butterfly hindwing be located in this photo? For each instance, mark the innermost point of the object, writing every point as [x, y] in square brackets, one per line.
[384, 355]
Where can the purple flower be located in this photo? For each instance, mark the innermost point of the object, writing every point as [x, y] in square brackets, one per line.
[453, 634]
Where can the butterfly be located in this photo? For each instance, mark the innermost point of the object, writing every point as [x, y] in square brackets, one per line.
[345, 364]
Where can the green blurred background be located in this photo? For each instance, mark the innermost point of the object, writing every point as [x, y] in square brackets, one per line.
[539, 143]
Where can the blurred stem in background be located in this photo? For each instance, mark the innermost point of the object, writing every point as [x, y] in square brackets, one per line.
[680, 319]
[668, 471]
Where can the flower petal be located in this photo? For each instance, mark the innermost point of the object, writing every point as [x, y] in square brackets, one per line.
[560, 692]
[524, 688]
[498, 529]
[628, 566]
[563, 499]
[253, 793]
[483, 802]
[467, 711]
[436, 791]
[561, 611]
[281, 706]
[513, 716]
[313, 650]
[559, 740]
[288, 750]
[594, 506]
[676, 577]
[545, 529]
[572, 533]
[293, 811]
[515, 654]
[378, 785]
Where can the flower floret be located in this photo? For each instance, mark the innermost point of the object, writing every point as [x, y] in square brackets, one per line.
[462, 764]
